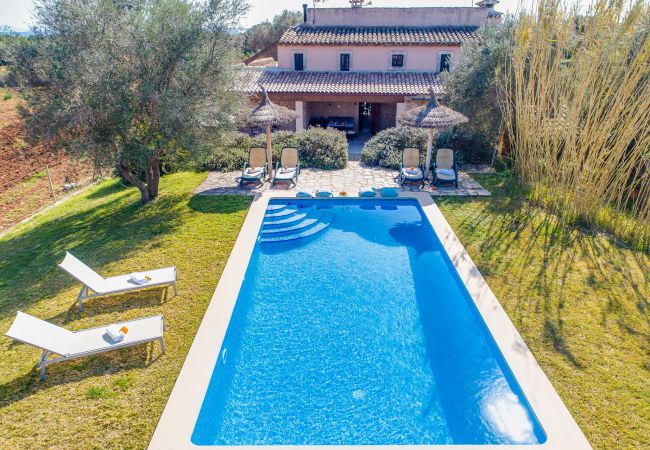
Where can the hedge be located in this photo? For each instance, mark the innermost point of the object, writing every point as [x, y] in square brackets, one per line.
[317, 148]
[385, 148]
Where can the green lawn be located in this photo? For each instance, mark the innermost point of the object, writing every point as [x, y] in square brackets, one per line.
[111, 400]
[581, 303]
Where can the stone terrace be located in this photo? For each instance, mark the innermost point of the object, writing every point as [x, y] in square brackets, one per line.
[354, 177]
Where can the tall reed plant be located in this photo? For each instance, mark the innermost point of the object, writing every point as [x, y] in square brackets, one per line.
[576, 103]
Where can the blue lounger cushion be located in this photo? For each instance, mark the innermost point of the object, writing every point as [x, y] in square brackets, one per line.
[303, 194]
[389, 192]
[325, 194]
[367, 192]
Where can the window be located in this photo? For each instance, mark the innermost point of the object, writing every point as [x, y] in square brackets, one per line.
[344, 63]
[298, 61]
[445, 62]
[397, 61]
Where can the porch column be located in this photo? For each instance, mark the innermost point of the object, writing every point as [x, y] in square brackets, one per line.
[399, 109]
[300, 120]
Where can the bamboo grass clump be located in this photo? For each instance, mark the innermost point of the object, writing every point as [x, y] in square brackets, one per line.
[577, 108]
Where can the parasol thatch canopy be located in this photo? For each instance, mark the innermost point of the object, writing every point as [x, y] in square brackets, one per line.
[267, 113]
[432, 115]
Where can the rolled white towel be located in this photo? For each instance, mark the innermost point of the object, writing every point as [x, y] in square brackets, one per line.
[138, 278]
[113, 332]
[446, 172]
[253, 170]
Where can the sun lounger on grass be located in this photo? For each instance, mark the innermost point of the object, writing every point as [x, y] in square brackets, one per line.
[54, 340]
[94, 285]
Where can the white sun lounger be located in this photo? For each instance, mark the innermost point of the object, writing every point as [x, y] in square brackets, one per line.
[94, 285]
[54, 340]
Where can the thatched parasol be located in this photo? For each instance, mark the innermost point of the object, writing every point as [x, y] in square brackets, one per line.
[433, 116]
[267, 114]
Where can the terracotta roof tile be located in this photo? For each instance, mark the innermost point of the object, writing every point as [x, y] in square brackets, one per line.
[370, 83]
[377, 36]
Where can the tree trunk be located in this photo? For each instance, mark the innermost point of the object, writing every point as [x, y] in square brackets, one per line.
[128, 176]
[153, 178]
[148, 190]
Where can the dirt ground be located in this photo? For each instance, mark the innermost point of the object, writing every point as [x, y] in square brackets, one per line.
[24, 184]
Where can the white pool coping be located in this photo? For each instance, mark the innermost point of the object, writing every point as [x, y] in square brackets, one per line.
[177, 422]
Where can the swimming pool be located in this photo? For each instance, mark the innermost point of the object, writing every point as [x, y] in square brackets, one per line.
[352, 326]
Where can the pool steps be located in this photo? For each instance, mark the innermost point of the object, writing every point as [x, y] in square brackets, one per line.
[287, 222]
[284, 221]
[283, 212]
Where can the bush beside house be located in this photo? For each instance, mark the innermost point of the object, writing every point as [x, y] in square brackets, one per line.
[385, 148]
[317, 148]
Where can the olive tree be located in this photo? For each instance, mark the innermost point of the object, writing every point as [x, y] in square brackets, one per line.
[131, 83]
[266, 33]
[473, 86]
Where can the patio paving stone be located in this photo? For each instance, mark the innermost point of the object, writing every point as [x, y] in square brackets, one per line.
[351, 179]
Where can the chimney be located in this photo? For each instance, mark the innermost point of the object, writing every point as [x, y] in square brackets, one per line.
[304, 13]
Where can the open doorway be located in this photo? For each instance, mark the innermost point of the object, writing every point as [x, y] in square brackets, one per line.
[365, 118]
[366, 129]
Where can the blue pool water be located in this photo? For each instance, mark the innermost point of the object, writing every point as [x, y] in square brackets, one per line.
[353, 327]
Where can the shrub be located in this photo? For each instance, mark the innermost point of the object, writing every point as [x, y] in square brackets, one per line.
[7, 96]
[317, 147]
[470, 146]
[322, 148]
[385, 148]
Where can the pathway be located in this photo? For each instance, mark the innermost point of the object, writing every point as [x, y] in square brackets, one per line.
[354, 177]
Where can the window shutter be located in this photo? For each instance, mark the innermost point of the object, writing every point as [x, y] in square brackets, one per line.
[345, 62]
[298, 61]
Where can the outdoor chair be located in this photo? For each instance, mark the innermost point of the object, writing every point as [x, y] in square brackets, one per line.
[68, 345]
[255, 168]
[288, 169]
[410, 169]
[445, 168]
[94, 285]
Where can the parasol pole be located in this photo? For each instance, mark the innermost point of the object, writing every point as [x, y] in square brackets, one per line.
[427, 165]
[269, 151]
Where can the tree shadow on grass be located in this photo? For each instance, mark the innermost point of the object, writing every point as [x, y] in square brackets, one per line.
[119, 302]
[107, 189]
[108, 232]
[109, 225]
[109, 363]
[517, 238]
